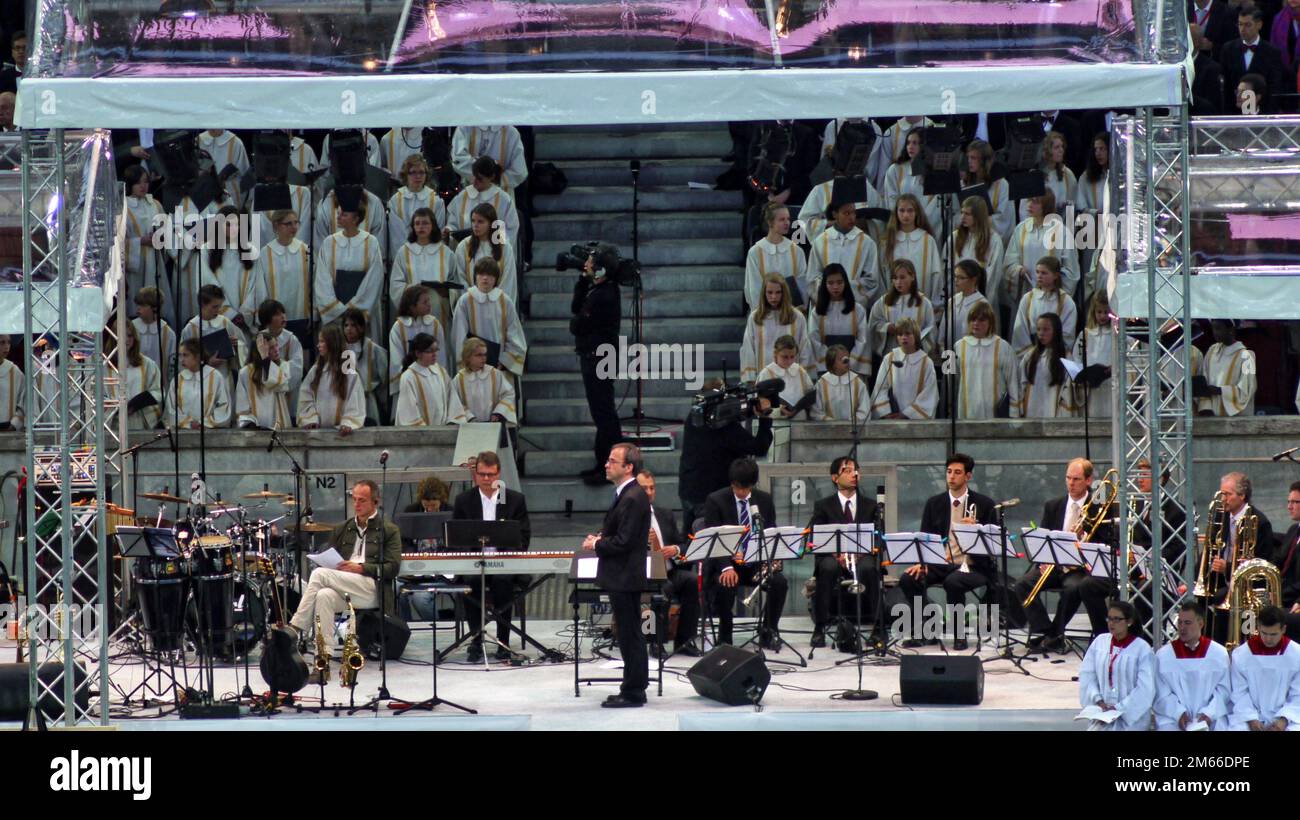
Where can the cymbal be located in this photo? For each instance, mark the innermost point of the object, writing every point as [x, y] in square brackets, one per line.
[164, 497]
[266, 494]
[288, 502]
[317, 526]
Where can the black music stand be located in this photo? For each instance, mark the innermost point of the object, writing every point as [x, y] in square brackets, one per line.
[1056, 547]
[786, 545]
[916, 548]
[423, 526]
[582, 573]
[846, 539]
[433, 702]
[136, 542]
[707, 544]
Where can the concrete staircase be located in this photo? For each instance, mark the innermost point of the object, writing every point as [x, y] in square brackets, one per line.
[692, 259]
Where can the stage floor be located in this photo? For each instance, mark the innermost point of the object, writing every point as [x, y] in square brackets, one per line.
[540, 695]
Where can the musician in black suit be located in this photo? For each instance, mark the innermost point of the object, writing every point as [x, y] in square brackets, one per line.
[622, 547]
[1264, 58]
[491, 501]
[964, 573]
[1077, 585]
[1215, 19]
[847, 506]
[1207, 87]
[730, 506]
[1287, 559]
[1236, 490]
[681, 584]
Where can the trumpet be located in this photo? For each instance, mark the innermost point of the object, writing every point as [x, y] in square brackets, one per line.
[760, 580]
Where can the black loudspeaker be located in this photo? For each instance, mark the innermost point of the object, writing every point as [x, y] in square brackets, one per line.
[948, 679]
[396, 634]
[15, 695]
[731, 676]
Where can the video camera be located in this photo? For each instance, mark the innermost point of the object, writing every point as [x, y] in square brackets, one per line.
[716, 409]
[622, 271]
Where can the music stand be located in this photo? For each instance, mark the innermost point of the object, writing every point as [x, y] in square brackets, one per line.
[711, 543]
[476, 535]
[1059, 547]
[916, 548]
[845, 539]
[790, 548]
[423, 526]
[982, 539]
[1100, 559]
[152, 542]
[433, 702]
[583, 570]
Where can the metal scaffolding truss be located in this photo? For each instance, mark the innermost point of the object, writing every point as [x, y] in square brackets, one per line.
[1245, 164]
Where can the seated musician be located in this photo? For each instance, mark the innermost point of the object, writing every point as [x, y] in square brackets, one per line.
[431, 495]
[490, 501]
[1266, 678]
[730, 506]
[681, 584]
[1288, 561]
[1070, 512]
[964, 573]
[1174, 551]
[1235, 489]
[361, 541]
[847, 506]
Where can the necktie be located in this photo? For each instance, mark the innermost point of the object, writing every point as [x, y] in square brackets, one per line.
[654, 540]
[848, 512]
[1072, 516]
[1249, 48]
[742, 515]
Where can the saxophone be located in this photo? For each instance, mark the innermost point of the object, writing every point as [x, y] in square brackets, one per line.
[322, 654]
[353, 660]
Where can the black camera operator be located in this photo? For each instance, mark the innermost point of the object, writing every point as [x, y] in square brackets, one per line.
[596, 313]
[709, 449]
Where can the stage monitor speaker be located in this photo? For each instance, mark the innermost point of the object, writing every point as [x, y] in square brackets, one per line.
[946, 679]
[15, 696]
[396, 634]
[731, 676]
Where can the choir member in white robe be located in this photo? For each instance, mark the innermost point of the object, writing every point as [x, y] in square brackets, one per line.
[302, 156]
[968, 277]
[327, 220]
[189, 410]
[832, 131]
[283, 268]
[426, 398]
[908, 236]
[1118, 673]
[999, 207]
[226, 149]
[484, 393]
[847, 245]
[902, 301]
[187, 259]
[350, 249]
[261, 397]
[157, 339]
[211, 321]
[906, 379]
[1193, 681]
[812, 214]
[1057, 177]
[771, 320]
[1090, 192]
[1099, 340]
[501, 143]
[424, 259]
[372, 149]
[900, 179]
[330, 398]
[11, 389]
[272, 318]
[414, 316]
[838, 318]
[230, 266]
[841, 393]
[1034, 238]
[986, 368]
[487, 312]
[1046, 390]
[483, 188]
[414, 194]
[398, 145]
[774, 253]
[1229, 372]
[1047, 297]
[488, 240]
[976, 238]
[1266, 678]
[890, 145]
[371, 359]
[787, 368]
[144, 216]
[141, 379]
[299, 202]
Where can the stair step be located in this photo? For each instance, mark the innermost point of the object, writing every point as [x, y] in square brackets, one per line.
[568, 385]
[552, 146]
[617, 228]
[574, 411]
[618, 199]
[662, 252]
[664, 331]
[569, 463]
[677, 279]
[661, 172]
[550, 494]
[663, 305]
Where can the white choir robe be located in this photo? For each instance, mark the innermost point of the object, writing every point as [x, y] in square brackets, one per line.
[853, 250]
[300, 201]
[227, 149]
[1034, 304]
[492, 317]
[882, 316]
[361, 252]
[237, 282]
[283, 273]
[396, 146]
[1101, 350]
[197, 329]
[1041, 399]
[961, 308]
[187, 262]
[484, 393]
[1029, 244]
[1002, 210]
[797, 382]
[1195, 361]
[1231, 368]
[1064, 189]
[322, 406]
[1089, 195]
[157, 342]
[889, 147]
[143, 379]
[508, 283]
[502, 143]
[923, 251]
[435, 262]
[813, 212]
[326, 221]
[1128, 683]
[302, 156]
[838, 323]
[786, 259]
[912, 380]
[461, 207]
[291, 356]
[372, 149]
[268, 405]
[756, 347]
[372, 371]
[143, 263]
[991, 261]
[841, 398]
[426, 398]
[1192, 686]
[400, 335]
[900, 180]
[11, 394]
[183, 410]
[987, 370]
[403, 205]
[1265, 687]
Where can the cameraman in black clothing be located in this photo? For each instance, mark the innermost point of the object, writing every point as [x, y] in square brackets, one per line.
[596, 314]
[707, 455]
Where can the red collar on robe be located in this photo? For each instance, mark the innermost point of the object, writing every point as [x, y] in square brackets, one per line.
[1257, 646]
[1124, 643]
[1183, 653]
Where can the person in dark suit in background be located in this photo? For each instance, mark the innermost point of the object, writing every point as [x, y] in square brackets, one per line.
[847, 506]
[1216, 20]
[707, 455]
[730, 506]
[491, 501]
[1251, 54]
[597, 312]
[681, 584]
[1288, 562]
[964, 573]
[622, 547]
[1207, 88]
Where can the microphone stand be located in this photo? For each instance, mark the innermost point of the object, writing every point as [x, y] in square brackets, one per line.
[860, 693]
[1087, 394]
[298, 498]
[1006, 653]
[381, 583]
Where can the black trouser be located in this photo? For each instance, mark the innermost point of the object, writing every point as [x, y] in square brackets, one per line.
[829, 573]
[682, 586]
[1076, 587]
[955, 586]
[502, 588]
[631, 643]
[724, 598]
[600, 402]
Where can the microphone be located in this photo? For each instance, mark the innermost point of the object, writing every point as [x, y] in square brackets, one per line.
[1006, 505]
[1285, 453]
[755, 517]
[383, 457]
[270, 444]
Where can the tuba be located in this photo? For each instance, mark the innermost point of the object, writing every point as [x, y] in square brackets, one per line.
[353, 661]
[1206, 580]
[1254, 583]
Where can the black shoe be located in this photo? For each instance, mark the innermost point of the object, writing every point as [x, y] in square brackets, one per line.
[688, 649]
[770, 641]
[818, 637]
[623, 702]
[1036, 641]
[1056, 643]
[960, 645]
[475, 653]
[502, 654]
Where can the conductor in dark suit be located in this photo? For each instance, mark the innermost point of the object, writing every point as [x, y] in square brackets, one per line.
[622, 547]
[491, 501]
[963, 573]
[1251, 54]
[682, 584]
[846, 506]
[1287, 559]
[730, 506]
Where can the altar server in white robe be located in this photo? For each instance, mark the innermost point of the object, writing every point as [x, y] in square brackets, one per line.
[774, 318]
[1047, 297]
[209, 321]
[1098, 343]
[841, 393]
[1057, 176]
[263, 390]
[272, 318]
[425, 259]
[204, 398]
[371, 359]
[979, 165]
[483, 188]
[414, 316]
[900, 179]
[987, 369]
[1043, 233]
[330, 398]
[283, 268]
[849, 246]
[500, 142]
[909, 237]
[484, 392]
[490, 314]
[397, 146]
[1266, 678]
[142, 384]
[838, 318]
[888, 147]
[227, 150]
[1118, 673]
[144, 215]
[1046, 390]
[976, 237]
[157, 339]
[11, 389]
[425, 398]
[786, 367]
[351, 249]
[774, 253]
[229, 265]
[902, 301]
[1228, 370]
[414, 194]
[1193, 680]
[813, 213]
[969, 277]
[906, 380]
[371, 218]
[489, 240]
[299, 202]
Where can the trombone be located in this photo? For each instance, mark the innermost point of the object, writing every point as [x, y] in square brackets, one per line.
[1087, 526]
